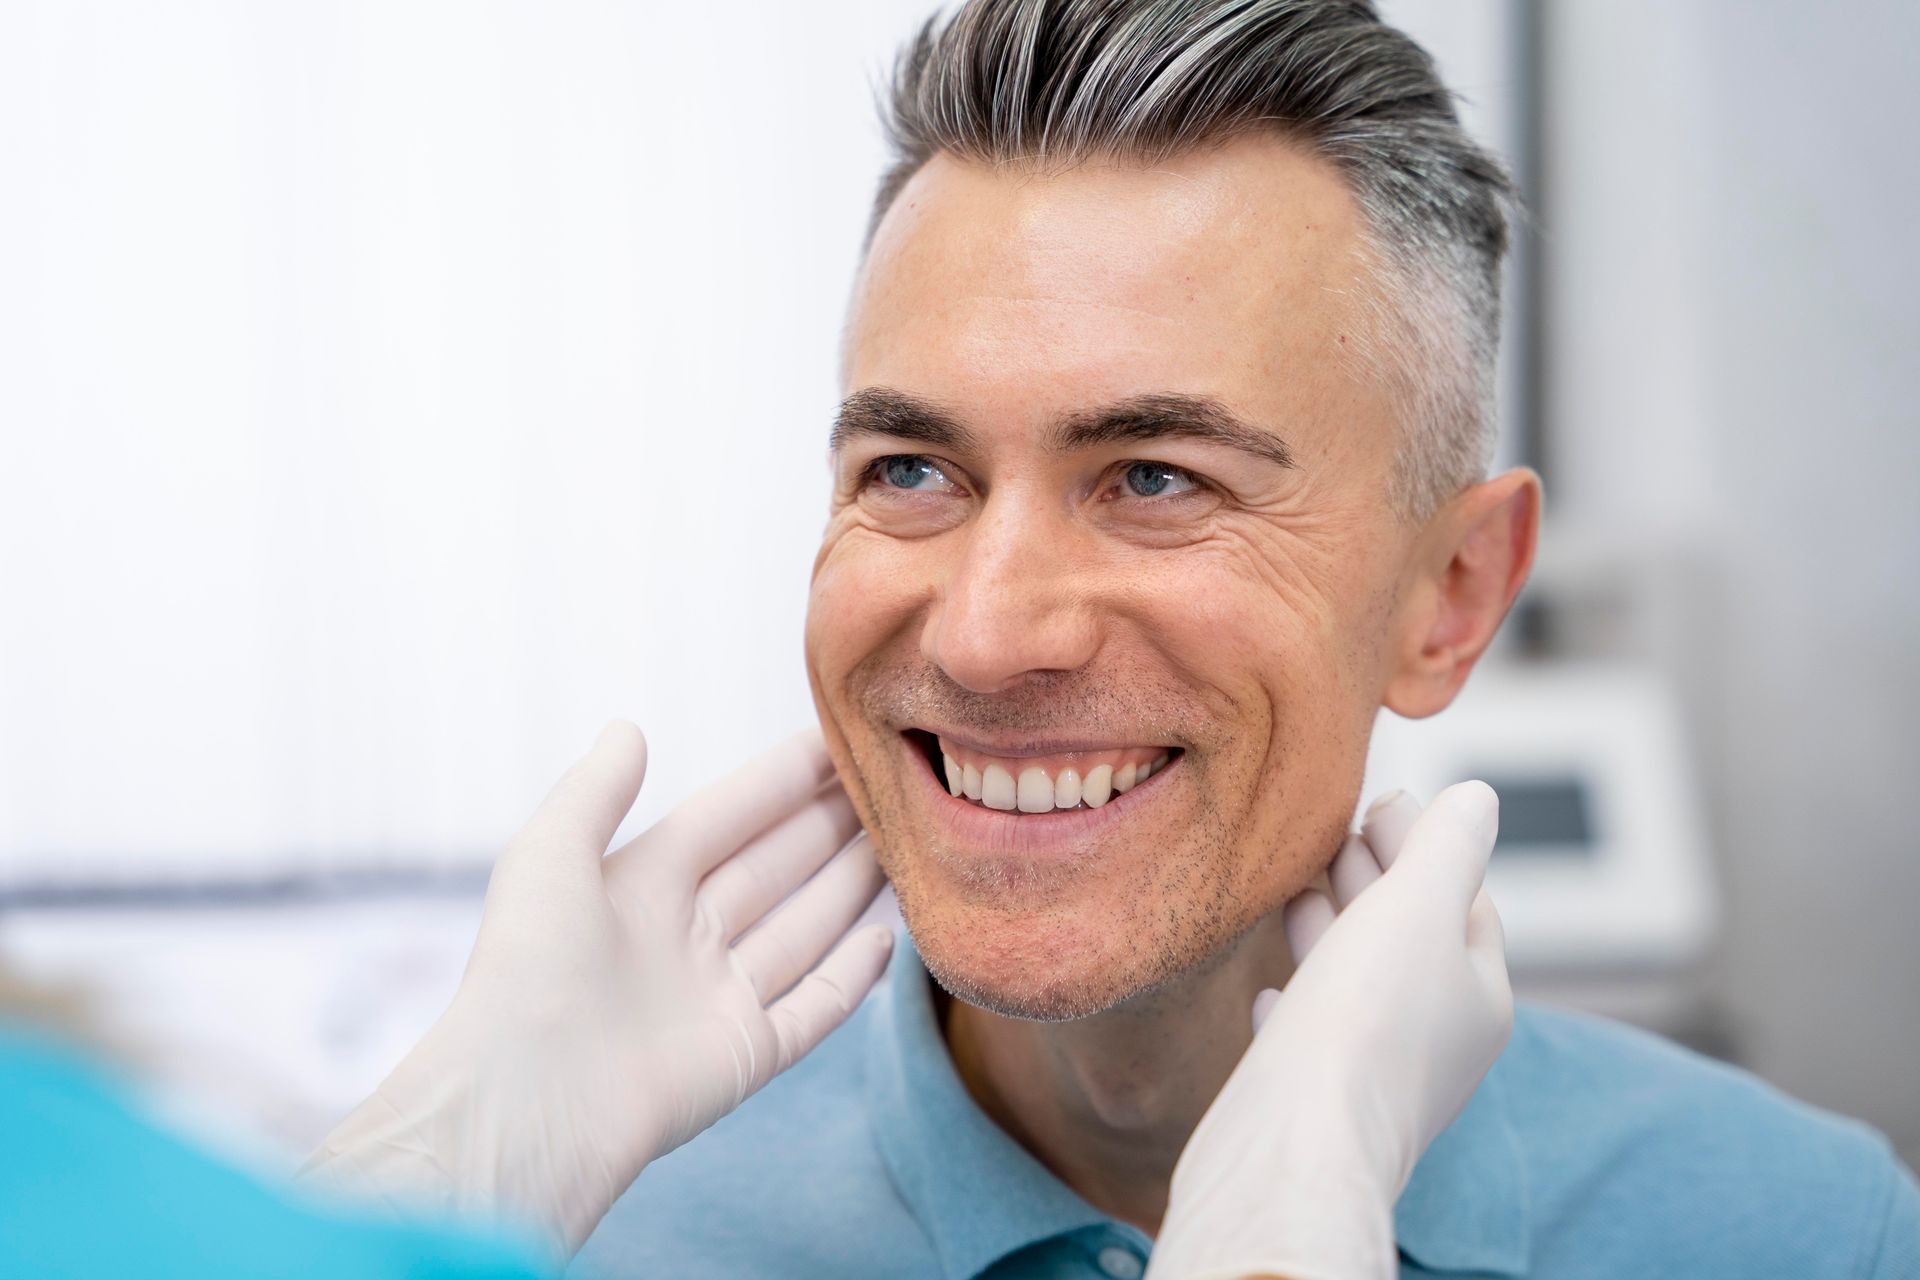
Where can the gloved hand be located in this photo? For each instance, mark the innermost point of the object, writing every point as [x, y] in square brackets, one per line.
[611, 1009]
[1397, 1009]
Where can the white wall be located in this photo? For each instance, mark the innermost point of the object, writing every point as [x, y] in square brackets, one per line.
[393, 392]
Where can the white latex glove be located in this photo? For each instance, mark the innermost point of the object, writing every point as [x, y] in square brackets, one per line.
[611, 1009]
[1397, 1009]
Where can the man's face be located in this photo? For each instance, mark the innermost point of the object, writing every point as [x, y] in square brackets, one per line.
[1047, 553]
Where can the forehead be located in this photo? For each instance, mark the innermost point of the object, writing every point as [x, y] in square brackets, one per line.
[1232, 272]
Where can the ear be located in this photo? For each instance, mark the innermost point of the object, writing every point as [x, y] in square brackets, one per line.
[1466, 567]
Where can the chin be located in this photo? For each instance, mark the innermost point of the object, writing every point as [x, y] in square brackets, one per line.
[1040, 967]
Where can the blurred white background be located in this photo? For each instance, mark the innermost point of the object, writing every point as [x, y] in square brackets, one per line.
[390, 393]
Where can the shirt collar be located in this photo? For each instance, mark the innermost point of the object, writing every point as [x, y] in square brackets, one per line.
[980, 1196]
[977, 1193]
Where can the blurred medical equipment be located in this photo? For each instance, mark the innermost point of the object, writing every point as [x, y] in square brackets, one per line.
[1602, 861]
[255, 1019]
[1604, 873]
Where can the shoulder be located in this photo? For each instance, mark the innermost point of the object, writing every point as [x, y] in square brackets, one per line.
[790, 1184]
[1643, 1146]
[90, 1186]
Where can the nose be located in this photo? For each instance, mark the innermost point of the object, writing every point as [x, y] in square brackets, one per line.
[1016, 600]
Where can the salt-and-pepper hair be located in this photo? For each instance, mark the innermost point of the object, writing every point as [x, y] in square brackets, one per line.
[1049, 83]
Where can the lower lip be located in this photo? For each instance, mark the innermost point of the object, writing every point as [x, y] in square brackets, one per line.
[1062, 834]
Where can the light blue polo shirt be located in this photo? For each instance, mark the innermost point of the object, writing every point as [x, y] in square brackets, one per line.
[1591, 1150]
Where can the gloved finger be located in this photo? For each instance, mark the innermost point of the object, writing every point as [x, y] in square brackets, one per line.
[1443, 861]
[1486, 938]
[1353, 869]
[1263, 1007]
[1306, 917]
[758, 878]
[791, 939]
[585, 808]
[710, 825]
[824, 998]
[1386, 824]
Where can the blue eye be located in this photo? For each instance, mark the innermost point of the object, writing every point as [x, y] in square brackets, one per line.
[1151, 479]
[912, 472]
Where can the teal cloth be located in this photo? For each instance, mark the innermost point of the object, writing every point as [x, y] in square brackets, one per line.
[90, 1190]
[1592, 1151]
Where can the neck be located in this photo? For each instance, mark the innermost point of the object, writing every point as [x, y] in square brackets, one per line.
[1106, 1103]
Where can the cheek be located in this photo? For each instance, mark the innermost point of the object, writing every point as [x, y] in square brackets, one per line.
[850, 616]
[863, 615]
[1298, 666]
[1298, 609]
[1232, 629]
[867, 590]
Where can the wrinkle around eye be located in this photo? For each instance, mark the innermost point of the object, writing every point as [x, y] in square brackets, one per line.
[1299, 563]
[1163, 519]
[891, 511]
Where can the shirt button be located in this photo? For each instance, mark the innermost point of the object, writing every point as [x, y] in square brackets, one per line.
[1121, 1264]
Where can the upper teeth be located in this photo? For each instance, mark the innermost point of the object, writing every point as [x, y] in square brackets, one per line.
[1037, 787]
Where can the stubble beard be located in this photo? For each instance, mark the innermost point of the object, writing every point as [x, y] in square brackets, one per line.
[1179, 914]
[1182, 909]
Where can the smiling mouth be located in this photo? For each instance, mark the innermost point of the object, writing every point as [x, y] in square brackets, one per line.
[1036, 784]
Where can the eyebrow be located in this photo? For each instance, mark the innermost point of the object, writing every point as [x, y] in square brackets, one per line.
[883, 411]
[1161, 417]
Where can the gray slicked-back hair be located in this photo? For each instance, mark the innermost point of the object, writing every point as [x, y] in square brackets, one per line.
[1054, 82]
